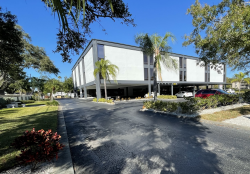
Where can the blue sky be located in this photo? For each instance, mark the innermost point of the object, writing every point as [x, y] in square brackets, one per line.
[159, 16]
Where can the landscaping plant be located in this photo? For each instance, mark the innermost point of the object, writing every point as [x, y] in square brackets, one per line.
[37, 146]
[52, 103]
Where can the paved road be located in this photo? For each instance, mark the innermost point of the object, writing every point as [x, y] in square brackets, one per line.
[121, 139]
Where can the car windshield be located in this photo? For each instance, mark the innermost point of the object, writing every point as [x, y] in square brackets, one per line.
[221, 91]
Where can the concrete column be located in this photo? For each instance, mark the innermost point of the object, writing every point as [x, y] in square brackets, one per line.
[85, 92]
[97, 80]
[149, 77]
[194, 91]
[80, 92]
[172, 90]
[159, 88]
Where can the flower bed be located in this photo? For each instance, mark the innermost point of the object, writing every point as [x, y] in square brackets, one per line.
[166, 97]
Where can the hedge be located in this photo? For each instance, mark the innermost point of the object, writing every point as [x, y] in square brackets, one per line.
[166, 97]
[27, 101]
[103, 100]
[193, 105]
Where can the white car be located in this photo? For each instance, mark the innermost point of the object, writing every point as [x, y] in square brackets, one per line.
[230, 91]
[184, 94]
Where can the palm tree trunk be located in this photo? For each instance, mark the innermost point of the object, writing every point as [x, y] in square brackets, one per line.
[155, 82]
[105, 89]
[51, 96]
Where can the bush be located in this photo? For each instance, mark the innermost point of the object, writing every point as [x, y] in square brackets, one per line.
[37, 146]
[2, 103]
[110, 101]
[246, 96]
[162, 106]
[27, 101]
[102, 100]
[166, 97]
[53, 103]
[95, 100]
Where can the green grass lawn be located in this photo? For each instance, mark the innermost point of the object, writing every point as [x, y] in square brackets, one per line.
[14, 121]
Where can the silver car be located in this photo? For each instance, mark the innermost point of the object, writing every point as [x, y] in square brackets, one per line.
[184, 94]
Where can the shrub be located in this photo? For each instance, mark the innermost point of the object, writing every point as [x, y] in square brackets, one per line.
[8, 100]
[149, 96]
[27, 101]
[53, 103]
[110, 101]
[2, 103]
[129, 98]
[95, 100]
[246, 96]
[160, 105]
[102, 100]
[166, 97]
[37, 146]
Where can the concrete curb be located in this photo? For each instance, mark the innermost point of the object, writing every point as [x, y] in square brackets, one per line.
[63, 164]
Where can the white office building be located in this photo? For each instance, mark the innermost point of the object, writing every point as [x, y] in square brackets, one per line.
[135, 77]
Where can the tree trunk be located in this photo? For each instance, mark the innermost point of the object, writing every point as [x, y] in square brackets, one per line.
[155, 82]
[105, 89]
[51, 96]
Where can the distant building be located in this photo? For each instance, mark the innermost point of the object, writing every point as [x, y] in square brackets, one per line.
[243, 85]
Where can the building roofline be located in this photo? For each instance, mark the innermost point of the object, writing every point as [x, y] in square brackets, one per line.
[126, 46]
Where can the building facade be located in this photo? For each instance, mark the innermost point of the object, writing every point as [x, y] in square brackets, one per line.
[135, 76]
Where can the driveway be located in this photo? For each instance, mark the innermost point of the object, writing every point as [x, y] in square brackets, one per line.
[121, 139]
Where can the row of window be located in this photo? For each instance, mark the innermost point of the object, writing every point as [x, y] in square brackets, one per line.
[146, 73]
[145, 59]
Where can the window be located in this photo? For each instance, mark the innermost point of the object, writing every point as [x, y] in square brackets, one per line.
[152, 73]
[100, 52]
[145, 58]
[185, 76]
[180, 75]
[145, 73]
[151, 60]
[180, 62]
[185, 62]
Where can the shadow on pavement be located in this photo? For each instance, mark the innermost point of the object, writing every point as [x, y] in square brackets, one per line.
[120, 139]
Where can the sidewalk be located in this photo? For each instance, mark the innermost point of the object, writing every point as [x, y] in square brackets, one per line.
[63, 164]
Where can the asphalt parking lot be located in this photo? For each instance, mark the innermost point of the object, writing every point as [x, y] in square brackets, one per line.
[121, 139]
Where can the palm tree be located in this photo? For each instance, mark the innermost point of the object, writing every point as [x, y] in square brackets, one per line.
[106, 69]
[158, 47]
[240, 78]
[52, 85]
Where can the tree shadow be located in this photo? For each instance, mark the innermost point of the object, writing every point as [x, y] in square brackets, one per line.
[120, 139]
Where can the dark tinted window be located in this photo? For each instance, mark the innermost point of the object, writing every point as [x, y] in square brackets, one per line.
[222, 92]
[209, 92]
[100, 51]
[180, 75]
[151, 60]
[199, 92]
[145, 73]
[185, 76]
[180, 62]
[185, 62]
[145, 58]
[152, 73]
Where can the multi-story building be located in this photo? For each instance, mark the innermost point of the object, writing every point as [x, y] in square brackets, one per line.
[243, 85]
[135, 76]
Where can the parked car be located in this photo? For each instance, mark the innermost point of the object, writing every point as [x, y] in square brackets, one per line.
[230, 91]
[184, 94]
[204, 93]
